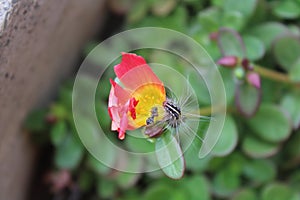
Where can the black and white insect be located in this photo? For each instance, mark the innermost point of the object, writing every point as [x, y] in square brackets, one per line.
[173, 113]
[179, 117]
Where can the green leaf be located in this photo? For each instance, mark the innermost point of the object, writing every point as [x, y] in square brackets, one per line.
[255, 48]
[245, 194]
[294, 29]
[257, 148]
[132, 194]
[268, 32]
[287, 51]
[197, 186]
[291, 104]
[138, 144]
[103, 116]
[65, 95]
[270, 123]
[294, 72]
[247, 99]
[59, 111]
[35, 121]
[228, 83]
[125, 179]
[176, 20]
[191, 157]
[69, 153]
[96, 142]
[218, 3]
[246, 7]
[236, 162]
[169, 155]
[137, 12]
[272, 91]
[200, 88]
[97, 166]
[227, 179]
[228, 138]
[234, 20]
[288, 9]
[58, 133]
[278, 191]
[106, 188]
[179, 194]
[159, 192]
[225, 182]
[216, 164]
[260, 171]
[230, 43]
[209, 19]
[292, 151]
[163, 57]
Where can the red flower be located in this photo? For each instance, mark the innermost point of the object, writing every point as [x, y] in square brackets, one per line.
[133, 94]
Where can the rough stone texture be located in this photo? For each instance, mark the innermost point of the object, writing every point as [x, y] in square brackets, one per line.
[40, 41]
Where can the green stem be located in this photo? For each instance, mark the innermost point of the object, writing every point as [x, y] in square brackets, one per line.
[207, 111]
[273, 75]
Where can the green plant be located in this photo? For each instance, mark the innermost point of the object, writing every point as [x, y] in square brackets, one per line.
[257, 155]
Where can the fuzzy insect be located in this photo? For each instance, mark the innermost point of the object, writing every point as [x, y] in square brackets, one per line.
[173, 113]
[178, 118]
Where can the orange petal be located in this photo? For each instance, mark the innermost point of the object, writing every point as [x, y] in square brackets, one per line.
[139, 76]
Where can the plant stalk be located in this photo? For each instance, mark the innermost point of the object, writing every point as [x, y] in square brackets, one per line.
[273, 75]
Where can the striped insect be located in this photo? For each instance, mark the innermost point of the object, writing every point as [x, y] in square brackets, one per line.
[178, 117]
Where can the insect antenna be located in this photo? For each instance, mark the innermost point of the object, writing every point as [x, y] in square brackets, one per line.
[187, 130]
[197, 117]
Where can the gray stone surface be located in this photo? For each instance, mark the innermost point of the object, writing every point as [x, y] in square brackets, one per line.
[5, 8]
[40, 41]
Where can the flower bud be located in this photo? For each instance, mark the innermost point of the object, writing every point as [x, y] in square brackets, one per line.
[253, 79]
[214, 36]
[228, 61]
[239, 73]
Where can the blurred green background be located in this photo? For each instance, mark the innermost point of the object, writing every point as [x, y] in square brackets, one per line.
[257, 155]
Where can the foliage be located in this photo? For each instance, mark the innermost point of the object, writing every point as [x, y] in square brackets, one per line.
[258, 154]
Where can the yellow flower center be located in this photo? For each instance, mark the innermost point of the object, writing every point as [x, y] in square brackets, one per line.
[149, 96]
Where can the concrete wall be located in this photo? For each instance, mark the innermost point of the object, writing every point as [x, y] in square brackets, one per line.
[40, 41]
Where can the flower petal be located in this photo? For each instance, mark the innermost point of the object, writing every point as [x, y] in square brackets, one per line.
[117, 114]
[132, 104]
[115, 117]
[117, 94]
[140, 76]
[133, 72]
[129, 61]
[123, 126]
